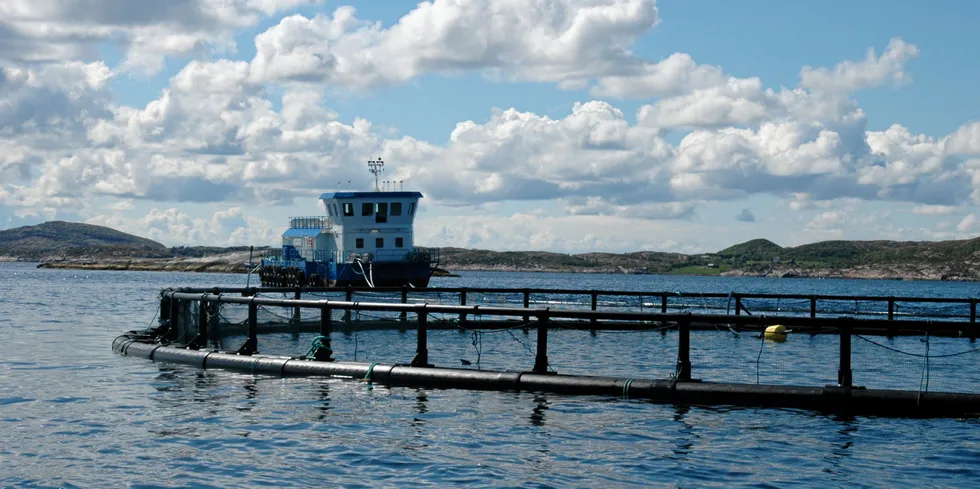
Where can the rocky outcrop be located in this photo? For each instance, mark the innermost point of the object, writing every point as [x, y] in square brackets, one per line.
[222, 263]
[902, 271]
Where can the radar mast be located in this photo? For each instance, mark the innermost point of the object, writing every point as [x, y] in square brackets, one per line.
[376, 167]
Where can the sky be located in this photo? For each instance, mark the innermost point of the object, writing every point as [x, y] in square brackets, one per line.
[559, 125]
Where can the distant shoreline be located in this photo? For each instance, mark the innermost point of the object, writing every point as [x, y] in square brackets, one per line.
[234, 263]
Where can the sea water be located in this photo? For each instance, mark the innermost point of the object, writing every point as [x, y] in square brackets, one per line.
[74, 414]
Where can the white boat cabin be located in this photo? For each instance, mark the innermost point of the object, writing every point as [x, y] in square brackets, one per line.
[379, 223]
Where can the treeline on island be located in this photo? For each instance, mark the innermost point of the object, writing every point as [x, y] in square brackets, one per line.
[76, 245]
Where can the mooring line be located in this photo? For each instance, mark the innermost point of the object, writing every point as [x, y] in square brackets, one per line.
[370, 370]
[626, 388]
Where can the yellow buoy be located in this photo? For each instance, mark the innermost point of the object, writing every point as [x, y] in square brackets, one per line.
[776, 332]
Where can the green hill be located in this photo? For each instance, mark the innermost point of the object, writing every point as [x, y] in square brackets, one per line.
[756, 249]
[60, 238]
[76, 244]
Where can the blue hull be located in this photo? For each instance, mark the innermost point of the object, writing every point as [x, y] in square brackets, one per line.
[385, 274]
[302, 273]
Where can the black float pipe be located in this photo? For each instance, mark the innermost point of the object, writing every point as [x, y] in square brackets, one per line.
[828, 399]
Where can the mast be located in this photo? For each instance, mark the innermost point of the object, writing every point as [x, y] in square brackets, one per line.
[376, 167]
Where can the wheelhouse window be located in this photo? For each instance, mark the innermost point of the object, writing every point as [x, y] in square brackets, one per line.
[411, 209]
[359, 243]
[348, 209]
[367, 209]
[396, 208]
[335, 209]
[330, 211]
[379, 242]
[399, 243]
[382, 213]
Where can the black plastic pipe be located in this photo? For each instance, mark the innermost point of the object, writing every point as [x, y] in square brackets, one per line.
[849, 401]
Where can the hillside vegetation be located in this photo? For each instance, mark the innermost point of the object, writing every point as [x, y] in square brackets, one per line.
[60, 238]
[70, 245]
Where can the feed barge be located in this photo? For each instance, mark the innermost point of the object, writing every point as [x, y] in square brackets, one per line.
[365, 239]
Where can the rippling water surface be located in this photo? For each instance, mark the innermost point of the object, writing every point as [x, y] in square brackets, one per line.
[73, 414]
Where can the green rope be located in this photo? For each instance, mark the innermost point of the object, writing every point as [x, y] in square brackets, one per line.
[317, 344]
[626, 387]
[370, 370]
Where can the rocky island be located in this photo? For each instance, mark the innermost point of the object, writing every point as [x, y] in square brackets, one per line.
[59, 244]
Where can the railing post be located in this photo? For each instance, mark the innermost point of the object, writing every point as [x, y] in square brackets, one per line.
[422, 349]
[844, 371]
[813, 306]
[297, 315]
[349, 298]
[174, 320]
[325, 352]
[683, 373]
[527, 303]
[973, 320]
[738, 305]
[595, 302]
[404, 315]
[165, 314]
[462, 302]
[663, 304]
[201, 340]
[252, 342]
[891, 308]
[541, 358]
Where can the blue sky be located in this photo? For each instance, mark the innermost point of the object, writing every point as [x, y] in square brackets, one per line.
[200, 127]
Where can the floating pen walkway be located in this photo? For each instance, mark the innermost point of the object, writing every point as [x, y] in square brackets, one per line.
[192, 318]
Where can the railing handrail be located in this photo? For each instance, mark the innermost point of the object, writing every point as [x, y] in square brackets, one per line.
[620, 293]
[640, 317]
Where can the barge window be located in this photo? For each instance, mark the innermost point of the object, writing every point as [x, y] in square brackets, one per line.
[379, 242]
[382, 214]
[330, 211]
[399, 243]
[348, 209]
[367, 209]
[411, 209]
[359, 243]
[396, 208]
[335, 209]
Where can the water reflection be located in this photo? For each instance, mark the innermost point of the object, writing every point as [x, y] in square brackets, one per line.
[842, 443]
[421, 407]
[684, 444]
[418, 424]
[323, 395]
[540, 407]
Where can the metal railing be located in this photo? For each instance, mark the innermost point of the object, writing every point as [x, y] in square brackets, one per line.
[955, 310]
[428, 255]
[173, 302]
[310, 222]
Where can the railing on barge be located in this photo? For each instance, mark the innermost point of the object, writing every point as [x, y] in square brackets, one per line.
[681, 386]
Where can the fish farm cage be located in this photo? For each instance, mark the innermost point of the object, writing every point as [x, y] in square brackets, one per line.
[889, 356]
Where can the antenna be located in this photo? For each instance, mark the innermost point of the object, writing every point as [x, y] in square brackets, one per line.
[401, 185]
[376, 167]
